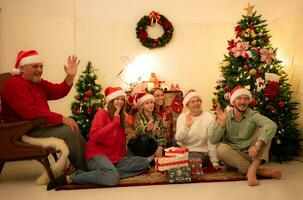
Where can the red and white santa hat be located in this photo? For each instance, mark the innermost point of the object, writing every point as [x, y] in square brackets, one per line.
[190, 94]
[113, 92]
[25, 58]
[141, 97]
[238, 91]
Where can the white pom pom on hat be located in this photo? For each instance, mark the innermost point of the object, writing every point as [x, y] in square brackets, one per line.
[190, 94]
[25, 58]
[141, 97]
[113, 92]
[238, 91]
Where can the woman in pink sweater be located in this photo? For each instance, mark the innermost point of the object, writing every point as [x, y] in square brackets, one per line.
[106, 148]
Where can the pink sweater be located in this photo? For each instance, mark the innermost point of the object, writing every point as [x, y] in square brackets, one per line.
[24, 100]
[106, 137]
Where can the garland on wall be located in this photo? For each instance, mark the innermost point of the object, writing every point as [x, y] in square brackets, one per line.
[150, 20]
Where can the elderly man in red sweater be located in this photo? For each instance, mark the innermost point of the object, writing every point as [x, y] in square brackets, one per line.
[25, 96]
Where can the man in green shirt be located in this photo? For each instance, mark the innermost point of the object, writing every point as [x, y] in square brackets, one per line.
[245, 137]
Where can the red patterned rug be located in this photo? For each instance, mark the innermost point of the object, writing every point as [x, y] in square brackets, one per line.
[156, 178]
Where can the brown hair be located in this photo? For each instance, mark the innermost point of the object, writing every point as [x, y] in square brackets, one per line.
[111, 111]
[152, 91]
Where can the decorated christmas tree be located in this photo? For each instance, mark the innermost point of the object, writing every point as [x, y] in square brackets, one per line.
[87, 100]
[252, 63]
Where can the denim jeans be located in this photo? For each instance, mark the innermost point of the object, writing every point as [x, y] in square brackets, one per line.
[103, 172]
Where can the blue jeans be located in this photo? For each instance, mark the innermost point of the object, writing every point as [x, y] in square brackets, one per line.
[103, 172]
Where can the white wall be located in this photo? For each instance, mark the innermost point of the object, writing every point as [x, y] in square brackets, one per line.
[103, 31]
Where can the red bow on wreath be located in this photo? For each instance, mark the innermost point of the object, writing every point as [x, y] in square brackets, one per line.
[154, 16]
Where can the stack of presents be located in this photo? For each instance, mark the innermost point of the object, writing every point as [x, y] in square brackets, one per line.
[178, 167]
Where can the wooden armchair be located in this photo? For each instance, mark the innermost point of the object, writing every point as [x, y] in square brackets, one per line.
[11, 146]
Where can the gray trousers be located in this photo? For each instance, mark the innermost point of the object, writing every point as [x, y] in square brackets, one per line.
[103, 172]
[74, 141]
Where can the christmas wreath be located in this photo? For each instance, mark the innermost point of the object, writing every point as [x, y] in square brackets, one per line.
[150, 20]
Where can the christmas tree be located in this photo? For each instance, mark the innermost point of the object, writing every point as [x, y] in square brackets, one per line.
[251, 62]
[87, 100]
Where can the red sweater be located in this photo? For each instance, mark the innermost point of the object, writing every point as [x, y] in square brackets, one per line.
[106, 137]
[25, 100]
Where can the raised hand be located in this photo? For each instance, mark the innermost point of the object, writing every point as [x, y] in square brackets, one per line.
[71, 69]
[221, 116]
[189, 120]
[72, 65]
[140, 87]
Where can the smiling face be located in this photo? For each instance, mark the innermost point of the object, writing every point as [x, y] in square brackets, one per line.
[159, 97]
[32, 72]
[194, 105]
[148, 105]
[119, 101]
[241, 103]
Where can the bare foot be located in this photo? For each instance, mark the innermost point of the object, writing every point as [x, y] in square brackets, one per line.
[252, 178]
[268, 172]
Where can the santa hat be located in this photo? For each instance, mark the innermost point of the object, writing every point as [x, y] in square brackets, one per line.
[238, 91]
[25, 58]
[113, 92]
[140, 98]
[190, 94]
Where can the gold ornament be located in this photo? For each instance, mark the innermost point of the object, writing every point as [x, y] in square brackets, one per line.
[254, 43]
[280, 72]
[249, 9]
[253, 72]
[225, 63]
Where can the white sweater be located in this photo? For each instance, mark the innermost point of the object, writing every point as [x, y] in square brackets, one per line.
[195, 138]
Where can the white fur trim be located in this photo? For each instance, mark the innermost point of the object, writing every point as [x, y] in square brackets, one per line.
[58, 167]
[30, 60]
[115, 95]
[189, 96]
[15, 71]
[239, 92]
[145, 98]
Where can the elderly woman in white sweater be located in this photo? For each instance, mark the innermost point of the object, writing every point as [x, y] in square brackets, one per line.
[193, 128]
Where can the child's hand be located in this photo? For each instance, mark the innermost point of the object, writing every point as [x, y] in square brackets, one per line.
[159, 151]
[150, 125]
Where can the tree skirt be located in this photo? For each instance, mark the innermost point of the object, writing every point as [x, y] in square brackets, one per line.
[156, 178]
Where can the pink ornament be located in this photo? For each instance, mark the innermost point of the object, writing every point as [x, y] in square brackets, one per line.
[267, 56]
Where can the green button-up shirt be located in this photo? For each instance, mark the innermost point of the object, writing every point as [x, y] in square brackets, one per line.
[239, 134]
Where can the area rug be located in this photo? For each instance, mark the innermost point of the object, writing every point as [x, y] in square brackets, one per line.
[157, 178]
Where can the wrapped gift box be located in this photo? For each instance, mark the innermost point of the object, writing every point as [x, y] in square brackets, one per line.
[195, 165]
[176, 151]
[179, 175]
[164, 163]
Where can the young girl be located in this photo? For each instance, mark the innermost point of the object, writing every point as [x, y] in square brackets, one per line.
[106, 149]
[150, 133]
